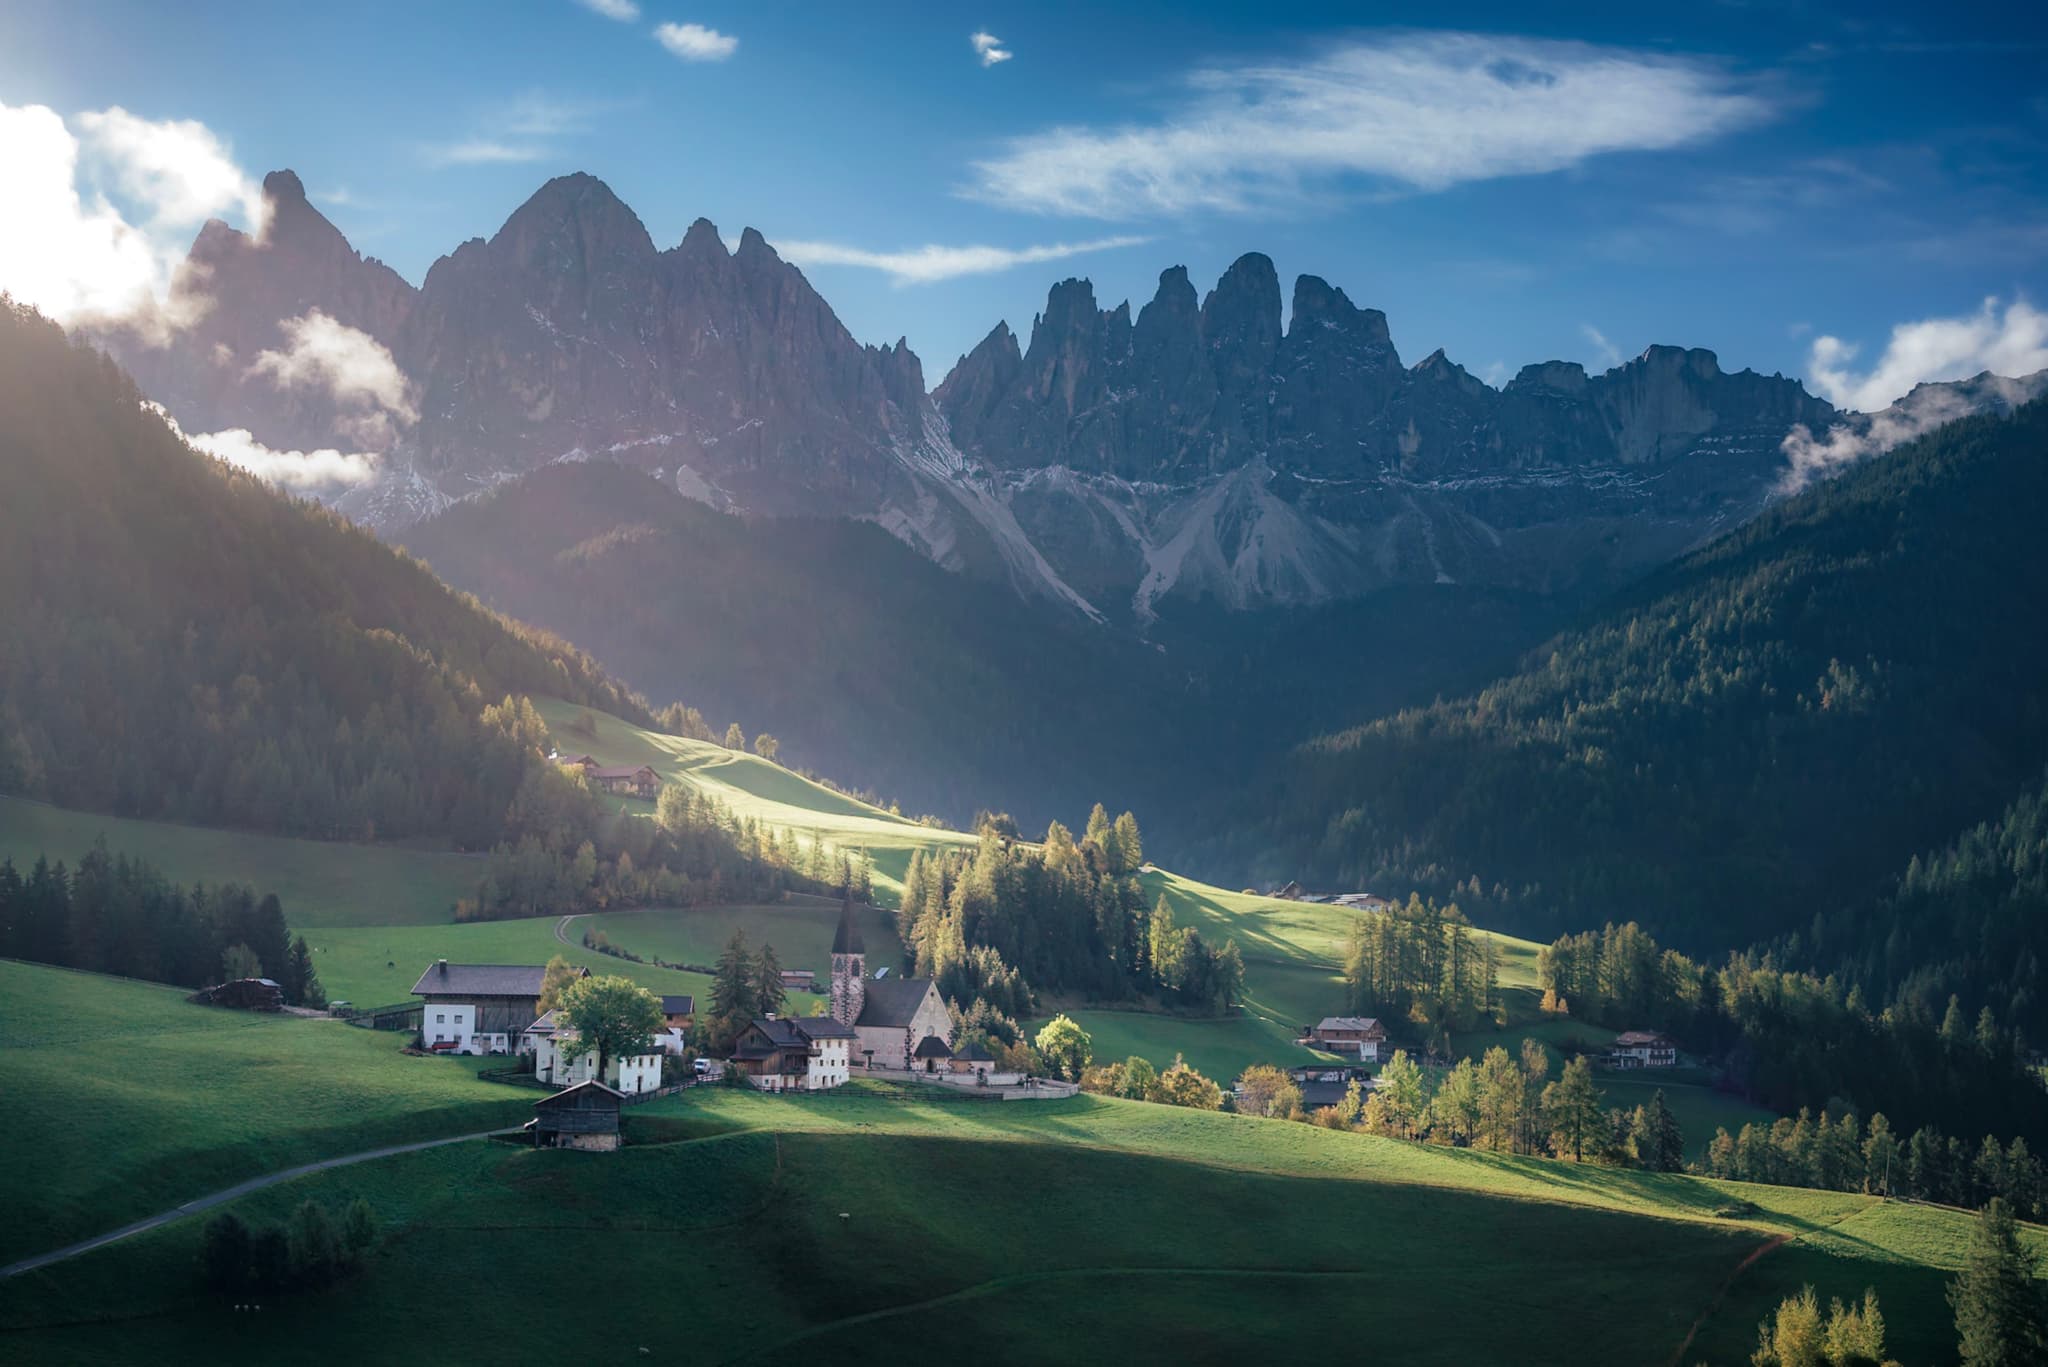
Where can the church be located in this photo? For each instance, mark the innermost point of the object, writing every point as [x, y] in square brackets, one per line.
[893, 1017]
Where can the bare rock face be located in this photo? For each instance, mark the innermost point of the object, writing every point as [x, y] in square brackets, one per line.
[1198, 449]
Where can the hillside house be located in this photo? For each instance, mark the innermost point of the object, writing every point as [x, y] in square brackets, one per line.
[1642, 1049]
[679, 1011]
[1325, 1086]
[557, 1060]
[794, 1053]
[1359, 1037]
[583, 762]
[585, 1116]
[799, 980]
[629, 780]
[478, 1008]
[891, 1016]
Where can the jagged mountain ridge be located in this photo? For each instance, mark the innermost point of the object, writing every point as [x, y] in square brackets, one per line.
[1198, 449]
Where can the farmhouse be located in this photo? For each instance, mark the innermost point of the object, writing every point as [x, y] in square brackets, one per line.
[632, 780]
[892, 1017]
[799, 980]
[478, 1008]
[1642, 1049]
[1323, 1086]
[794, 1053]
[583, 762]
[1359, 1037]
[556, 1060]
[585, 1116]
[678, 1011]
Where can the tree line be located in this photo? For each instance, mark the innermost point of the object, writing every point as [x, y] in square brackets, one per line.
[1789, 1038]
[1836, 1153]
[116, 914]
[1422, 964]
[994, 925]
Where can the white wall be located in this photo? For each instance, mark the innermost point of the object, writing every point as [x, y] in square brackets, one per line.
[442, 1022]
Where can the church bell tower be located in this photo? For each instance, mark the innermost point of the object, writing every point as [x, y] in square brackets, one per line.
[849, 968]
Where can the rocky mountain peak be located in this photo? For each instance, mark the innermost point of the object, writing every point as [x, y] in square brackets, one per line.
[573, 224]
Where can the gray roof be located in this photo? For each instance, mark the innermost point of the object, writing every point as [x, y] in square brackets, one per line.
[1369, 1025]
[444, 979]
[976, 1052]
[561, 1097]
[846, 940]
[684, 1005]
[824, 1027]
[931, 1046]
[797, 1032]
[892, 1001]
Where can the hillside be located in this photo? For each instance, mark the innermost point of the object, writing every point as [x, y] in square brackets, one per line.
[1167, 1233]
[1763, 733]
[178, 640]
[872, 664]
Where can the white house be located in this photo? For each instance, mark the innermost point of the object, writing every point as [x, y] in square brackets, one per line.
[794, 1053]
[555, 1060]
[1361, 1037]
[1643, 1049]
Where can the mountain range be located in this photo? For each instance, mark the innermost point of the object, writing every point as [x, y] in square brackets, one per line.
[1197, 449]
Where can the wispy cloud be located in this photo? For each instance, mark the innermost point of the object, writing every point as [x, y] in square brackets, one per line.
[625, 11]
[989, 48]
[2012, 341]
[482, 152]
[1605, 351]
[347, 364]
[100, 212]
[924, 265]
[1411, 112]
[696, 43]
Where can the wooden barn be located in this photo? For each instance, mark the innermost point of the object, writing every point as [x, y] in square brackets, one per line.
[585, 1116]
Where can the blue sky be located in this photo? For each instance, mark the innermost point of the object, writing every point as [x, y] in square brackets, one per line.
[1519, 186]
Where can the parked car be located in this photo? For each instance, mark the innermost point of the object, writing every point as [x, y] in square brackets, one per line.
[702, 1067]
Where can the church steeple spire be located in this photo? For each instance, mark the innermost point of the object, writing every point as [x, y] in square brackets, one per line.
[849, 967]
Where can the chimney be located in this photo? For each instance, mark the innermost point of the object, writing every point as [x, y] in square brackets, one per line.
[442, 964]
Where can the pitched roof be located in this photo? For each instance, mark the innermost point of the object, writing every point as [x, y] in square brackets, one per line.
[846, 940]
[546, 1025]
[443, 979]
[976, 1052]
[684, 1005]
[892, 1001]
[566, 1092]
[1370, 1025]
[931, 1046]
[622, 771]
[1637, 1037]
[824, 1027]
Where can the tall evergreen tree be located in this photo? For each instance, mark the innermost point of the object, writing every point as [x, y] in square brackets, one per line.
[2000, 1318]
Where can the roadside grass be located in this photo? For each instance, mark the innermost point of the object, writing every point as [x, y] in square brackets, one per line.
[883, 1220]
[130, 1100]
[319, 882]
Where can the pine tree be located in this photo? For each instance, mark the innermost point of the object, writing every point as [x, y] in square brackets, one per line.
[769, 994]
[1571, 1107]
[2000, 1320]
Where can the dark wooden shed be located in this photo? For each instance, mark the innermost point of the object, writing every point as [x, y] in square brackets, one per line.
[248, 994]
[585, 1116]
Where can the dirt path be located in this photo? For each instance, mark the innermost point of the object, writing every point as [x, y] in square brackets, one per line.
[1721, 1295]
[562, 930]
[193, 1207]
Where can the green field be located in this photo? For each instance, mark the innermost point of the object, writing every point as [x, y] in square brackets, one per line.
[801, 930]
[320, 883]
[142, 1100]
[878, 1222]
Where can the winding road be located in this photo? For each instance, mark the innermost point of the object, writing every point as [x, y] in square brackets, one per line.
[193, 1207]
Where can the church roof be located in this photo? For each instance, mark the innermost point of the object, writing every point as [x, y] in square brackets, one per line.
[846, 940]
[892, 1002]
[931, 1046]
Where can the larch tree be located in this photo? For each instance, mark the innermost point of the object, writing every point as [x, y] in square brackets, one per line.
[557, 975]
[1571, 1107]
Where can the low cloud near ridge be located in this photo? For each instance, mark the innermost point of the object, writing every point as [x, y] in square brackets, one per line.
[2007, 348]
[926, 264]
[349, 366]
[1410, 111]
[323, 470]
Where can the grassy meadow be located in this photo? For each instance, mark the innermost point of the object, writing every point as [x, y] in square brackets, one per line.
[878, 1221]
[142, 1100]
[320, 883]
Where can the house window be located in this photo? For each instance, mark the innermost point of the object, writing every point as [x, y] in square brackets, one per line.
[440, 1019]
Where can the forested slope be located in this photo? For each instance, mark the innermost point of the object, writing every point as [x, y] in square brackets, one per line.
[1763, 734]
[179, 640]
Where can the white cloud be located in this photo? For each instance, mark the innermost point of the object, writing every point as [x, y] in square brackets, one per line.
[923, 265]
[625, 11]
[2012, 345]
[1607, 353]
[695, 43]
[300, 471]
[1414, 111]
[348, 365]
[97, 221]
[2014, 342]
[989, 48]
[482, 152]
